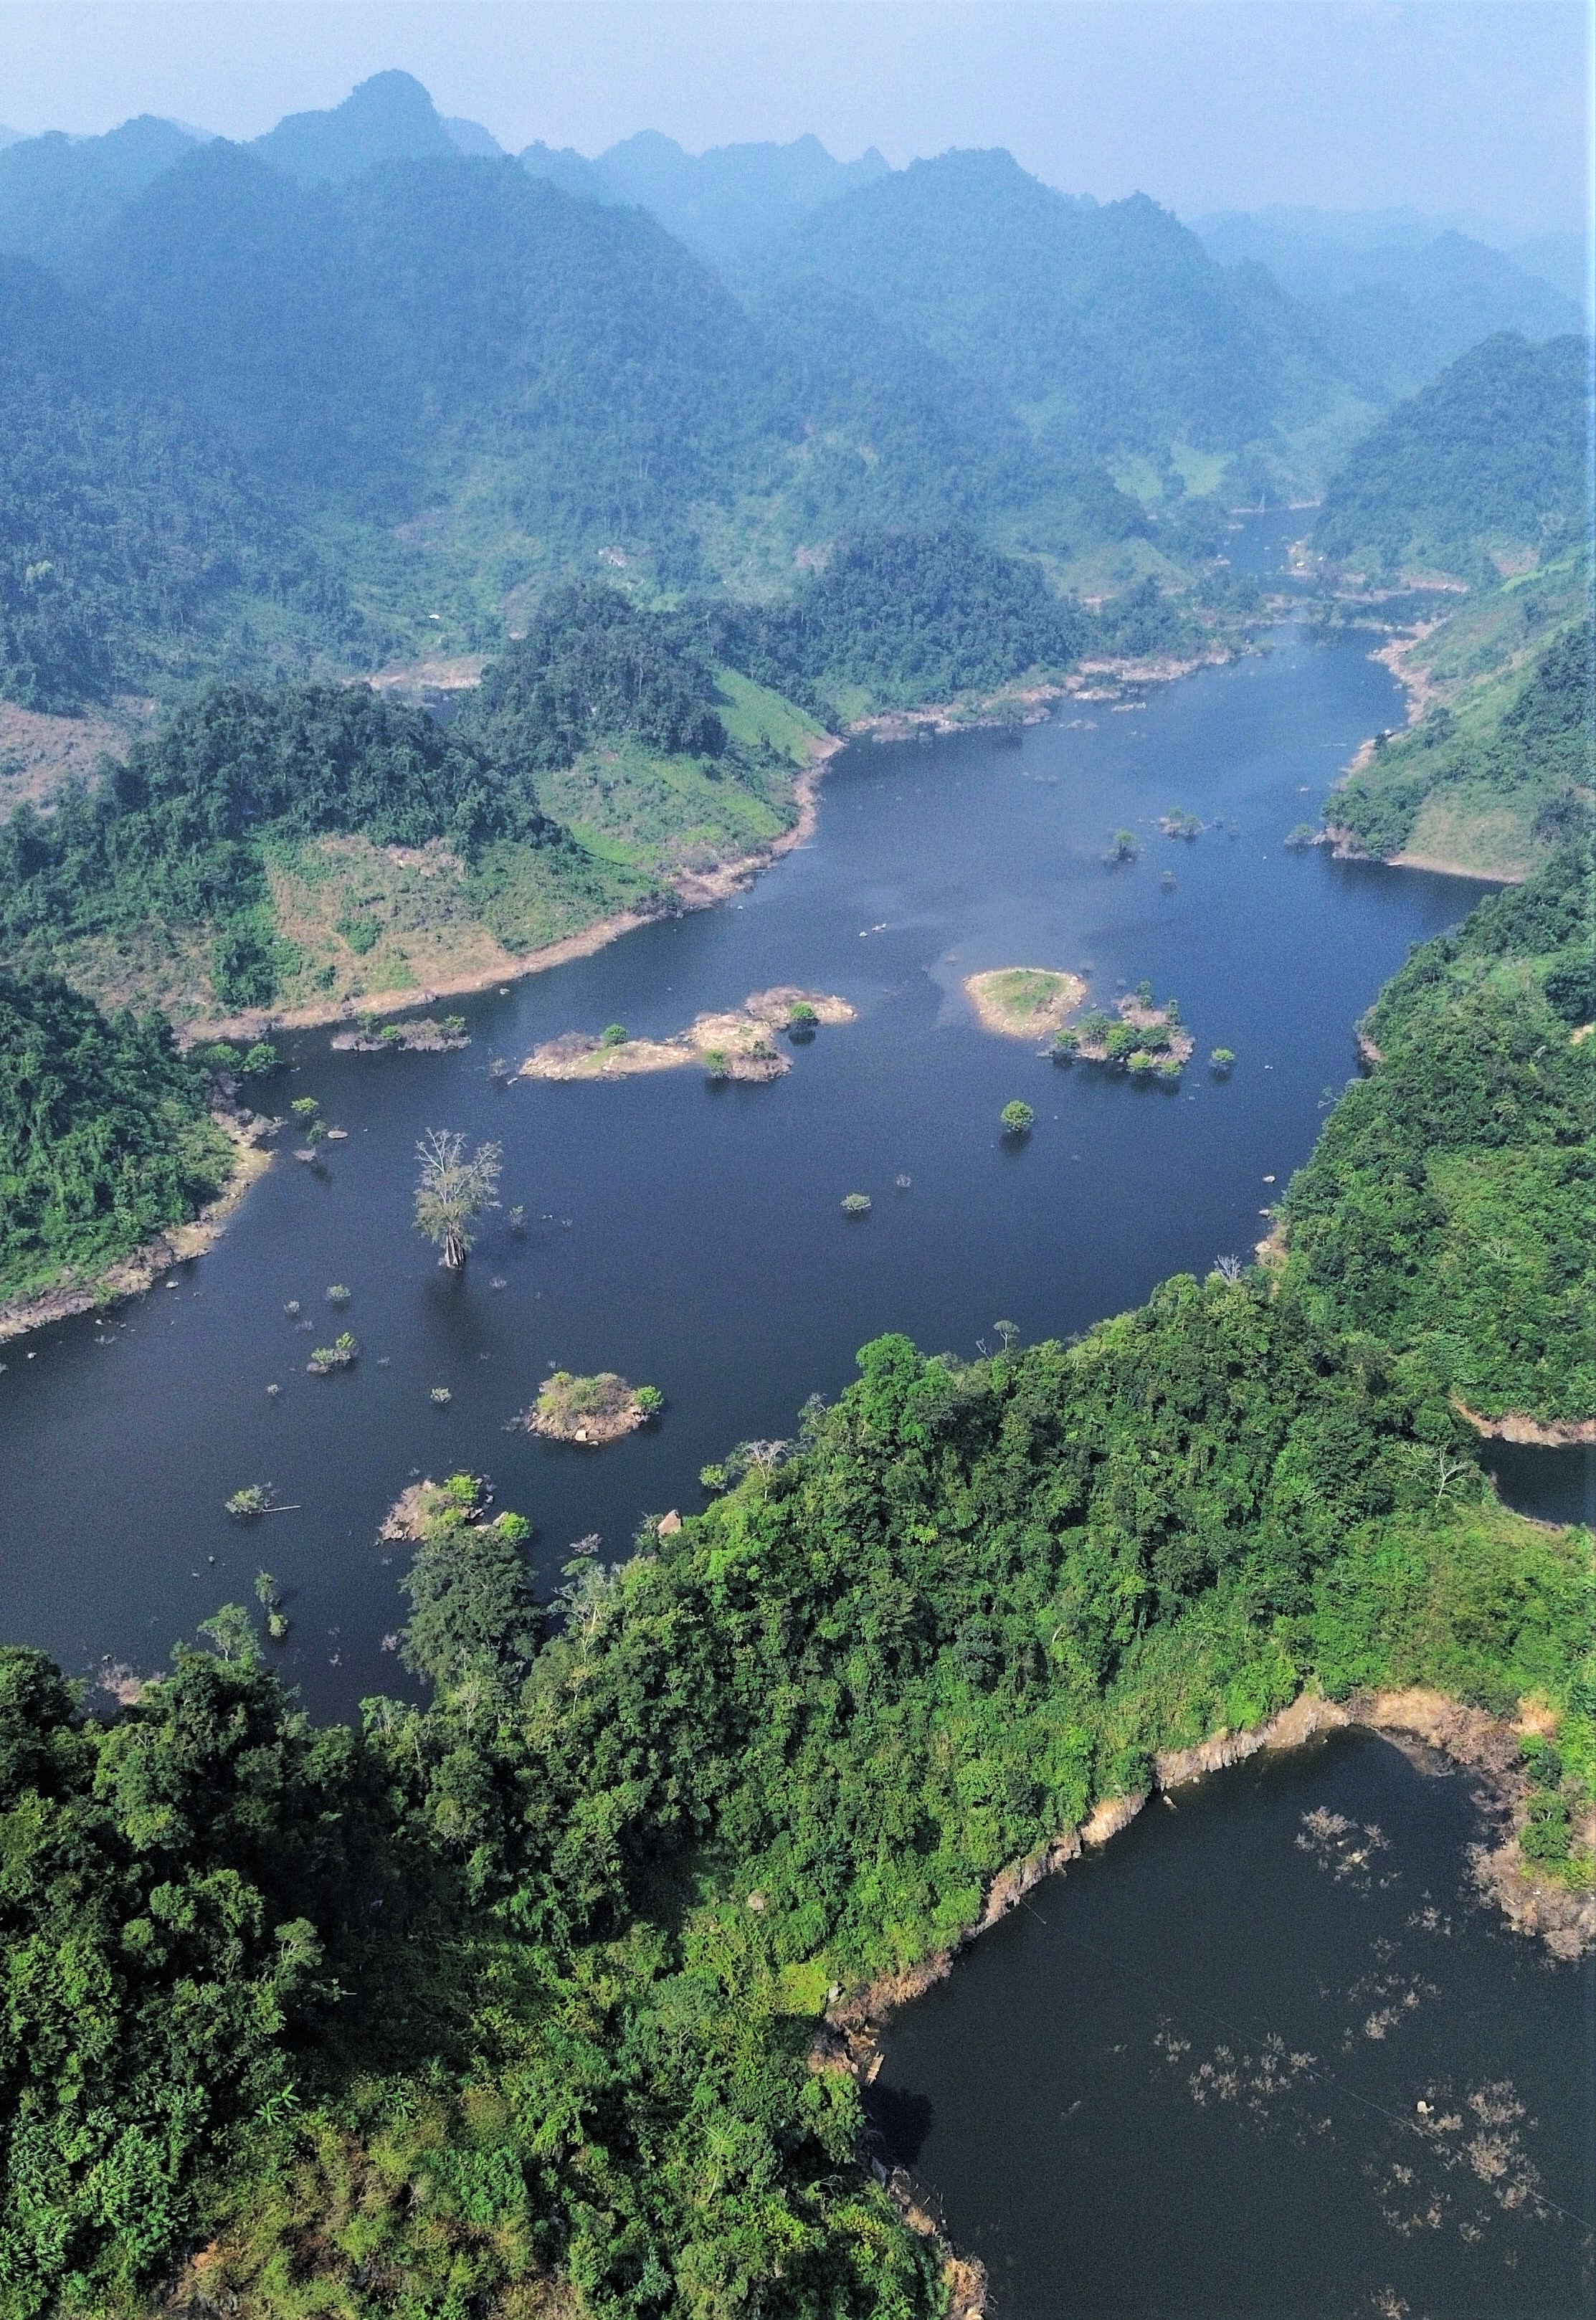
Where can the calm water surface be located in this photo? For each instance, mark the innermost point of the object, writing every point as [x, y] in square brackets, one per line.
[1104, 2094]
[693, 1237]
[1187, 2078]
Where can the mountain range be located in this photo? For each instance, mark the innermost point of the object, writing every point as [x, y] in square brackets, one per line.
[364, 386]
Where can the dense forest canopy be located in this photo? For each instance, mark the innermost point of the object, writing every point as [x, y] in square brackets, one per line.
[1450, 1205]
[518, 1986]
[591, 665]
[135, 546]
[105, 1137]
[1109, 325]
[1494, 453]
[903, 615]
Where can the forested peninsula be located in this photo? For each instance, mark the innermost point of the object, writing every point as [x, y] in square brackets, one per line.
[514, 1995]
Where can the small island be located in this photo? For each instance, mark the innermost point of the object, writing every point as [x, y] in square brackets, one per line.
[591, 1411]
[1021, 1002]
[740, 1044]
[425, 1035]
[1140, 1036]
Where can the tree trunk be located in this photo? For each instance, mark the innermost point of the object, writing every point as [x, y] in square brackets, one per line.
[454, 1251]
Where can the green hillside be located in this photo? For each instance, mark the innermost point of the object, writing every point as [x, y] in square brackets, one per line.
[1450, 1205]
[1483, 477]
[1490, 459]
[1501, 770]
[1107, 328]
[302, 845]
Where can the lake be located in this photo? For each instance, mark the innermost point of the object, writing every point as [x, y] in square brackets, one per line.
[691, 1236]
[1267, 2054]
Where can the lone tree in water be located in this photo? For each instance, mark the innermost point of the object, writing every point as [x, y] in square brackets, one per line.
[452, 1191]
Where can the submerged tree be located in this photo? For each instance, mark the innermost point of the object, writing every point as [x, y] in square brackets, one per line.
[452, 1191]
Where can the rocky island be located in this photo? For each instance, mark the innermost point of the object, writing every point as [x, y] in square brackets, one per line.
[1138, 1037]
[423, 1035]
[740, 1045]
[591, 1411]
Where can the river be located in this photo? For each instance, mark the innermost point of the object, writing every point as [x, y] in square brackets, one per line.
[1094, 2096]
[693, 1237]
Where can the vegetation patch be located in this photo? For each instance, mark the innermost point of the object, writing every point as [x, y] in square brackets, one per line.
[1141, 1038]
[1449, 1201]
[421, 1035]
[591, 1410]
[106, 1139]
[1023, 1002]
[741, 1045]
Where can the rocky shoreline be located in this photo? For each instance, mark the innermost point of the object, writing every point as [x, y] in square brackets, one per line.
[1484, 1745]
[1424, 1725]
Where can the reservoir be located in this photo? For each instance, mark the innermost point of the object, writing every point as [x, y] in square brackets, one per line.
[1108, 2100]
[691, 1236]
[1266, 2053]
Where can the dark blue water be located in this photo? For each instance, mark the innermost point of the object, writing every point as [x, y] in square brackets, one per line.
[1184, 2080]
[693, 1237]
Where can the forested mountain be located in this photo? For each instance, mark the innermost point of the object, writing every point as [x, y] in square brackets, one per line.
[388, 118]
[138, 548]
[1108, 326]
[406, 395]
[371, 394]
[1493, 456]
[724, 203]
[633, 1839]
[373, 342]
[1390, 298]
[105, 1137]
[57, 193]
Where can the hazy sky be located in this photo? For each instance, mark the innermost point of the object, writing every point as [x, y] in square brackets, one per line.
[1478, 106]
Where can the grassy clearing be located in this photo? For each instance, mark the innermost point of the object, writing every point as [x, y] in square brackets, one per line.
[1022, 1002]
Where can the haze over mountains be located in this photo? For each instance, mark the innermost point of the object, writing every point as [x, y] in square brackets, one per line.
[366, 383]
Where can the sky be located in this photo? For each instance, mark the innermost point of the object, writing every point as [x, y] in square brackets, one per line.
[1478, 109]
